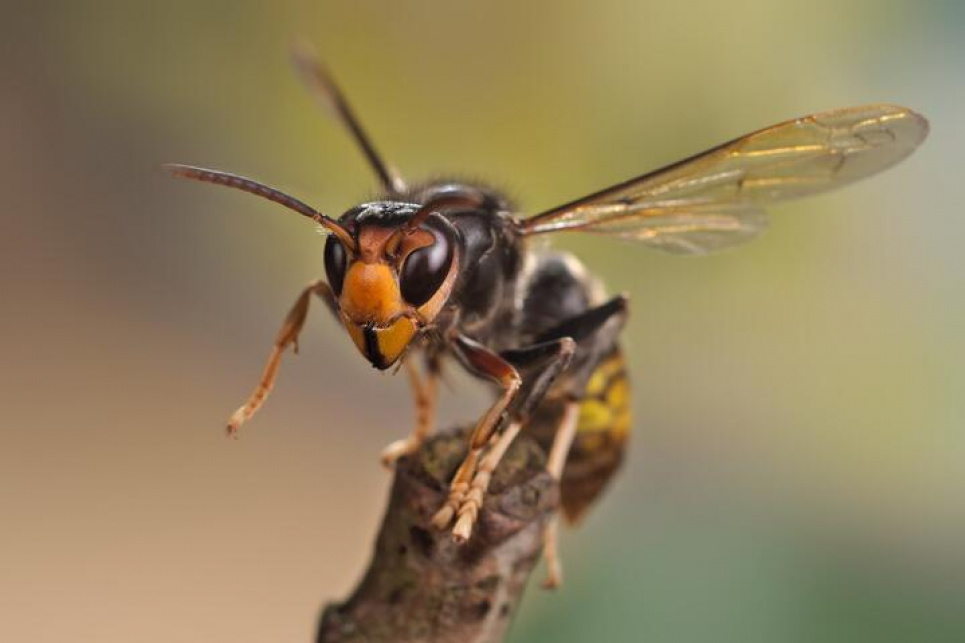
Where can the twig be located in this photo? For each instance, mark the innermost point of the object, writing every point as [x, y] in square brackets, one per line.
[420, 585]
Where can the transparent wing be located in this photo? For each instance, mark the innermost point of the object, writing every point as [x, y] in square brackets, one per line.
[713, 200]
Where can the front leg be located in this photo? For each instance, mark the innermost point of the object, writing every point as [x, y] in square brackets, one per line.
[425, 391]
[287, 336]
[542, 362]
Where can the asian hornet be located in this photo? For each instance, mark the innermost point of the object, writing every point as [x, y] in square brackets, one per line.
[444, 270]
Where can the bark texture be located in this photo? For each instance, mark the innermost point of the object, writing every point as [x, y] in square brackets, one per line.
[420, 585]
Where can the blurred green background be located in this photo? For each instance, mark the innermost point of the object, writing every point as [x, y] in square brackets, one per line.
[796, 471]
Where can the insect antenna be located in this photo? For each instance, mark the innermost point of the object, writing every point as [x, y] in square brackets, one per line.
[254, 187]
[442, 201]
[322, 86]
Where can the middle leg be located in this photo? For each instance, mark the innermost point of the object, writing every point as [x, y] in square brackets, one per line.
[540, 365]
[485, 363]
[426, 392]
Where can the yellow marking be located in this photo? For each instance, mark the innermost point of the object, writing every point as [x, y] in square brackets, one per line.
[394, 339]
[595, 416]
[618, 395]
[605, 408]
[611, 366]
[428, 311]
[370, 293]
[621, 425]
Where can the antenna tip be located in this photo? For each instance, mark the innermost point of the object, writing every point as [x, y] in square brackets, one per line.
[303, 54]
[176, 169]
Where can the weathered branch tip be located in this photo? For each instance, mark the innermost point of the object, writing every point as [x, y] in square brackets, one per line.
[422, 586]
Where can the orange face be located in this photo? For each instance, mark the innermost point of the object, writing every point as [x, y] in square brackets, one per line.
[391, 286]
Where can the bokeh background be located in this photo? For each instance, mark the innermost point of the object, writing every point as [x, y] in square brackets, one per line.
[796, 472]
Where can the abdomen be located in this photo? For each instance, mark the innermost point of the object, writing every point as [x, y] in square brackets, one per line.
[558, 287]
[601, 436]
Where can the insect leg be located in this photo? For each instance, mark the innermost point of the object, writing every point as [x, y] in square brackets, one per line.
[287, 336]
[563, 439]
[426, 392]
[554, 464]
[541, 363]
[588, 323]
[482, 361]
[473, 500]
[596, 331]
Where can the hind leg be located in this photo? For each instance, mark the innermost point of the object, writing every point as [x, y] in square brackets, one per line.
[596, 331]
[557, 458]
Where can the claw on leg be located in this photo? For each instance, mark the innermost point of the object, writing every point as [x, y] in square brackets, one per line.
[399, 448]
[457, 491]
[258, 396]
[468, 511]
[443, 518]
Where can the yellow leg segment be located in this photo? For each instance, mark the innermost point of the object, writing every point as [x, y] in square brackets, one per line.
[555, 463]
[426, 393]
[287, 336]
[472, 503]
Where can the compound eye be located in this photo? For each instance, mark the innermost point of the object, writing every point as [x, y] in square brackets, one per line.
[335, 259]
[425, 269]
